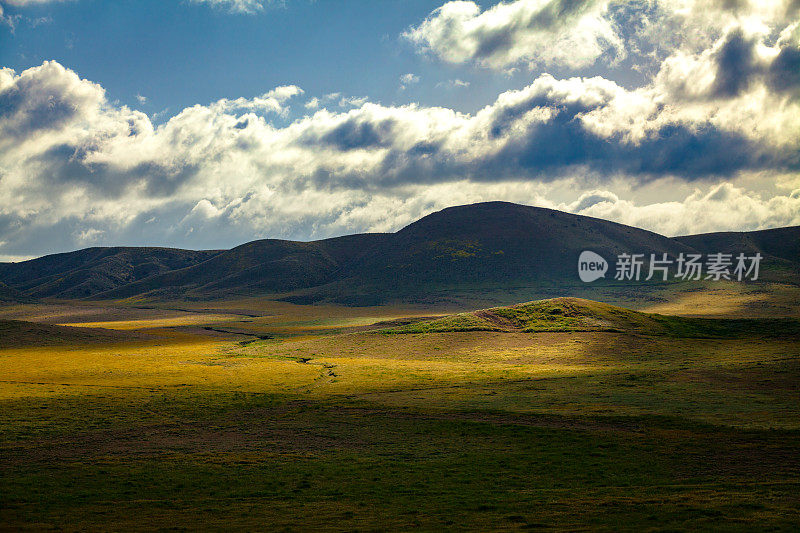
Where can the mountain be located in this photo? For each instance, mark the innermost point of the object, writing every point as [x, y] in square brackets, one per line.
[258, 267]
[492, 244]
[501, 242]
[89, 272]
[781, 245]
[9, 295]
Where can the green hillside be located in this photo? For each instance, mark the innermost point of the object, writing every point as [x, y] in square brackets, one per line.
[577, 314]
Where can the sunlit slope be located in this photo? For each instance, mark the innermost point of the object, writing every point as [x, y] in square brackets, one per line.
[577, 314]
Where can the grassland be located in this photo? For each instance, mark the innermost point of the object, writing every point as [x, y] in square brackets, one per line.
[183, 417]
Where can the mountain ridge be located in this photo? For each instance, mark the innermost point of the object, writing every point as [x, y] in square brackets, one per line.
[488, 243]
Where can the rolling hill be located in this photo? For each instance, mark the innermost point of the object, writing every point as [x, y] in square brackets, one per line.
[88, 272]
[258, 267]
[578, 314]
[780, 245]
[491, 244]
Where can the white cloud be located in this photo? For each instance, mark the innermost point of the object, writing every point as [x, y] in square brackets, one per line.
[335, 99]
[452, 84]
[569, 34]
[9, 20]
[721, 208]
[269, 102]
[532, 32]
[407, 80]
[237, 6]
[71, 161]
[87, 236]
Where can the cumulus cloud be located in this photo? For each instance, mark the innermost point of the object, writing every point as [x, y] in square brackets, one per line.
[722, 208]
[76, 167]
[534, 32]
[569, 34]
[733, 65]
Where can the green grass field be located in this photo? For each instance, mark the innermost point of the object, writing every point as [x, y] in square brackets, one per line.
[582, 418]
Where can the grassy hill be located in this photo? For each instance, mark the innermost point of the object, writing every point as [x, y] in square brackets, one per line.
[577, 314]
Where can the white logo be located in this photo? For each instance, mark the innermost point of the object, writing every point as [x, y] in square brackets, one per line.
[591, 266]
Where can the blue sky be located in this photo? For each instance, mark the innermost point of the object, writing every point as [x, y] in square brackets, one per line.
[208, 123]
[177, 53]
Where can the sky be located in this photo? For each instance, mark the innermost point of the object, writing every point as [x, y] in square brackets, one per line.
[209, 123]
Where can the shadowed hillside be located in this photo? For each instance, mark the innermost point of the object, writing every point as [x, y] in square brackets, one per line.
[88, 272]
[500, 241]
[779, 246]
[258, 267]
[9, 295]
[480, 246]
[18, 334]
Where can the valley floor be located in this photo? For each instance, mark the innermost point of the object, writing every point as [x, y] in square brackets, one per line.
[267, 416]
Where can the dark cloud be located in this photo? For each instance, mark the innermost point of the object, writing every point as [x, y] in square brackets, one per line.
[558, 12]
[738, 67]
[507, 116]
[690, 152]
[356, 133]
[736, 64]
[783, 74]
[24, 117]
[696, 152]
[68, 166]
[564, 146]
